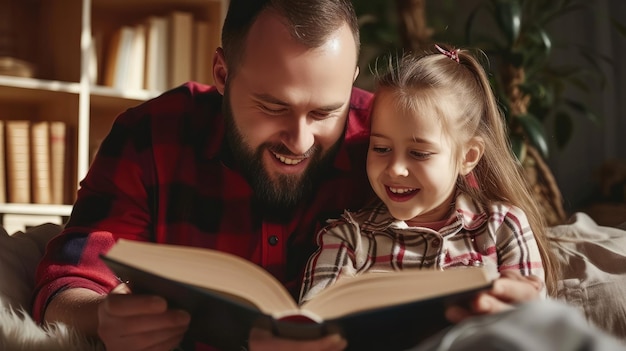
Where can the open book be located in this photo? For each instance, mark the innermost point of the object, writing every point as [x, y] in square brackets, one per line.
[228, 295]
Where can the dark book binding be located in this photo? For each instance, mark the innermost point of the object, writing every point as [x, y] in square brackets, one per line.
[225, 321]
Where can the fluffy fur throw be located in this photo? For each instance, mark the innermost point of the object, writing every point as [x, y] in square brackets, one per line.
[18, 332]
[19, 255]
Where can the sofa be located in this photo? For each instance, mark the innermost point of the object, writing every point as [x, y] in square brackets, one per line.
[593, 258]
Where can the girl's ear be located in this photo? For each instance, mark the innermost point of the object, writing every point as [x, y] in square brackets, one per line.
[220, 71]
[473, 152]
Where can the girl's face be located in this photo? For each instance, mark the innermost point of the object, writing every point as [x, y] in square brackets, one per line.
[410, 163]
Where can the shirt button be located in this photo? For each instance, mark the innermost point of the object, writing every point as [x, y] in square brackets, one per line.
[436, 242]
[272, 240]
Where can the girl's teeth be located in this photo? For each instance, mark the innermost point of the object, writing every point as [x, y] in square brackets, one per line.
[401, 190]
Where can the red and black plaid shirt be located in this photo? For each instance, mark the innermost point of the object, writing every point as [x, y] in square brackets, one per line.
[158, 176]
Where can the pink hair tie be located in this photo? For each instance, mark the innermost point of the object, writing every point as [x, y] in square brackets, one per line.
[454, 54]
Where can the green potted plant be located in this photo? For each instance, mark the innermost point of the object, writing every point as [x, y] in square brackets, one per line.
[517, 38]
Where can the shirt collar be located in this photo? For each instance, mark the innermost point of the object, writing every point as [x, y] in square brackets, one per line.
[467, 214]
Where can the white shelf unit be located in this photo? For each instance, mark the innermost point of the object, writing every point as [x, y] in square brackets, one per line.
[61, 89]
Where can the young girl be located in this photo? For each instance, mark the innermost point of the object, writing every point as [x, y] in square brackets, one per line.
[451, 193]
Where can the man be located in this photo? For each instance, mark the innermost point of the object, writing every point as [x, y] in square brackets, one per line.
[251, 166]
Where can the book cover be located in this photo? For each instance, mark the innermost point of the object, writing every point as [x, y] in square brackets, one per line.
[227, 295]
[40, 162]
[17, 135]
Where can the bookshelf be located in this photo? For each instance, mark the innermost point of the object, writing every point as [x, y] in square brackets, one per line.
[70, 40]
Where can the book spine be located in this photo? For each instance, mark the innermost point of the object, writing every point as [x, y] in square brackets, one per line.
[181, 47]
[156, 75]
[201, 62]
[137, 59]
[58, 145]
[40, 162]
[3, 184]
[18, 160]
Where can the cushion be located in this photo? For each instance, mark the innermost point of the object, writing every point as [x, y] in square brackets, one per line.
[19, 255]
[593, 263]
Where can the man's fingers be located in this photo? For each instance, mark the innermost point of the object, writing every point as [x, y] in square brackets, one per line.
[121, 305]
[162, 339]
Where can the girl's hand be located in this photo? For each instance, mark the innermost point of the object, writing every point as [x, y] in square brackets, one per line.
[510, 289]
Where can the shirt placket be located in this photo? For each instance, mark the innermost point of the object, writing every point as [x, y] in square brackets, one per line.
[273, 255]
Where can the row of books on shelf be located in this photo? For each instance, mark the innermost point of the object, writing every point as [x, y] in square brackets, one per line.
[33, 161]
[157, 53]
[21, 222]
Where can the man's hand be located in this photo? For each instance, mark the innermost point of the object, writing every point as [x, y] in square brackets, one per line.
[510, 289]
[139, 322]
[262, 340]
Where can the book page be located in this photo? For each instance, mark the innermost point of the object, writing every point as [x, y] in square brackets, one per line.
[374, 290]
[207, 269]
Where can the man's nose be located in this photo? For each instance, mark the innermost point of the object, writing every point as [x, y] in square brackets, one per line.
[299, 136]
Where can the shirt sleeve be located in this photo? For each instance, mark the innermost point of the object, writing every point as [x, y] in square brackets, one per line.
[335, 256]
[516, 246]
[112, 202]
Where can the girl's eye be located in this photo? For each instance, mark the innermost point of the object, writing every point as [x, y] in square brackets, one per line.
[420, 155]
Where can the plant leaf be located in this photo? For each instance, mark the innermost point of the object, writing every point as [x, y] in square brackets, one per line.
[535, 132]
[518, 147]
[563, 129]
[509, 16]
[582, 108]
[621, 29]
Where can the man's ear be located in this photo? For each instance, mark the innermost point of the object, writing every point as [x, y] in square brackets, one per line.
[472, 153]
[356, 74]
[220, 70]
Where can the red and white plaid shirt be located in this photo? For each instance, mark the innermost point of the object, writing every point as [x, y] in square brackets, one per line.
[498, 237]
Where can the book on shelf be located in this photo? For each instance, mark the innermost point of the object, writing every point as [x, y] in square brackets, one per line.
[156, 78]
[40, 162]
[94, 58]
[201, 58]
[180, 47]
[58, 161]
[17, 222]
[119, 57]
[3, 184]
[228, 295]
[134, 79]
[17, 135]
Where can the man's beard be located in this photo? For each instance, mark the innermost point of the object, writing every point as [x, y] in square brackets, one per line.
[280, 195]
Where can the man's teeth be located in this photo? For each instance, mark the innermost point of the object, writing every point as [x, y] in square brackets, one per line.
[401, 190]
[288, 161]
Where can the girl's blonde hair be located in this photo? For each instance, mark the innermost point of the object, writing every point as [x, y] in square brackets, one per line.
[454, 88]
